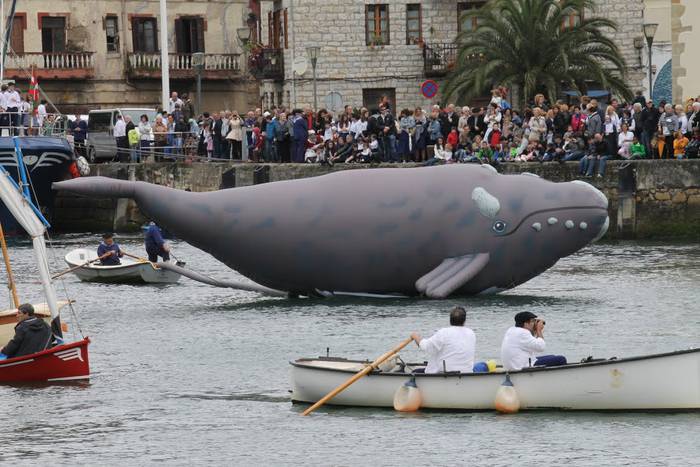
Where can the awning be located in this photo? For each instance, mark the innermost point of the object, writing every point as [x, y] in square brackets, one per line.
[591, 93]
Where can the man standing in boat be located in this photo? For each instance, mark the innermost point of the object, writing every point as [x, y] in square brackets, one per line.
[525, 340]
[155, 245]
[32, 334]
[108, 245]
[451, 348]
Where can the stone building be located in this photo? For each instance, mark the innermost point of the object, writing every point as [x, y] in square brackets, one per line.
[375, 47]
[89, 54]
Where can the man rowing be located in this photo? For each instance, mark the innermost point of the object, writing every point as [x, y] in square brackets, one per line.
[451, 348]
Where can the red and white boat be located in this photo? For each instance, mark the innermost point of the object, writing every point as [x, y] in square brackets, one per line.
[63, 362]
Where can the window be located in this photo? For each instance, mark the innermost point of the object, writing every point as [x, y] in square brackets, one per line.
[189, 34]
[99, 121]
[143, 32]
[377, 24]
[468, 24]
[371, 97]
[413, 23]
[571, 21]
[112, 33]
[53, 34]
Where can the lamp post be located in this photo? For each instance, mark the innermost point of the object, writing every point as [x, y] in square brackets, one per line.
[198, 65]
[649, 32]
[313, 52]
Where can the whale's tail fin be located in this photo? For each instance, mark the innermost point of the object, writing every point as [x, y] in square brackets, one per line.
[98, 186]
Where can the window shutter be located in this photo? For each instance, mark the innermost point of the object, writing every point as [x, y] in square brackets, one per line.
[200, 34]
[286, 43]
[179, 36]
[269, 27]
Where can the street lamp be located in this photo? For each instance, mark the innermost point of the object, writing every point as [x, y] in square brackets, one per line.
[313, 52]
[198, 65]
[649, 32]
[243, 35]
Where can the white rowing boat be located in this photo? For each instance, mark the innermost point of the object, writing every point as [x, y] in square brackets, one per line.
[667, 381]
[129, 271]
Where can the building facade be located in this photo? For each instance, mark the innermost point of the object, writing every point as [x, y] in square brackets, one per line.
[375, 47]
[90, 54]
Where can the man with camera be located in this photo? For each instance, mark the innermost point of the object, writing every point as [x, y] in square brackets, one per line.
[522, 341]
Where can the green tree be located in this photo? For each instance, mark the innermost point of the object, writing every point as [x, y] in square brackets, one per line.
[530, 45]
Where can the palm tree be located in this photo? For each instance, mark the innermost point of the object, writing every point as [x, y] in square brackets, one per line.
[529, 44]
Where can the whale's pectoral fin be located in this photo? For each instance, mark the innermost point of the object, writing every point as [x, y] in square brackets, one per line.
[451, 274]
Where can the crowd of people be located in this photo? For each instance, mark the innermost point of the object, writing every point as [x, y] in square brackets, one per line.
[586, 131]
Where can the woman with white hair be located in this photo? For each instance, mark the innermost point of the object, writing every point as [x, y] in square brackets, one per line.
[694, 119]
[668, 126]
[637, 117]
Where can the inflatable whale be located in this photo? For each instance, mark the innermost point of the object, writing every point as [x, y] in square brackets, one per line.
[430, 231]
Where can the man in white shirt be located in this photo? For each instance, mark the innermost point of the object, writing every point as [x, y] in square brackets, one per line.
[525, 340]
[13, 102]
[121, 139]
[451, 348]
[174, 100]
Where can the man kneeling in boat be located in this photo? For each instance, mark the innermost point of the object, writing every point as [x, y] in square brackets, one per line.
[32, 334]
[523, 341]
[451, 348]
[108, 245]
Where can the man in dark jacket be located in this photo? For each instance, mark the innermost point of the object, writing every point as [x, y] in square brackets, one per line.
[155, 244]
[32, 334]
[300, 133]
[650, 123]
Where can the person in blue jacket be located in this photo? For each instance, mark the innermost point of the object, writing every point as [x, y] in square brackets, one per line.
[110, 248]
[155, 245]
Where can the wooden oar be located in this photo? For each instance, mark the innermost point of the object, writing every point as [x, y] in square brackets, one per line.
[138, 258]
[86, 263]
[357, 376]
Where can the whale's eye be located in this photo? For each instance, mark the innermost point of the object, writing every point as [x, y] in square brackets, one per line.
[499, 226]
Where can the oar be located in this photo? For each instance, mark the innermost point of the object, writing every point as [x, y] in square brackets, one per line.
[139, 258]
[56, 276]
[357, 376]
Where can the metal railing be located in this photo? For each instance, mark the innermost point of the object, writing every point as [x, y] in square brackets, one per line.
[439, 59]
[267, 63]
[50, 60]
[212, 62]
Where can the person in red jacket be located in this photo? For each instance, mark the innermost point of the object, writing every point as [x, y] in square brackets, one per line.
[495, 142]
[453, 137]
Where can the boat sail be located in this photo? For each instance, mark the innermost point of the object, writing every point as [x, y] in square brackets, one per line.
[64, 361]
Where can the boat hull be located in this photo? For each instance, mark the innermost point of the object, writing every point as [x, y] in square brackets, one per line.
[129, 272]
[67, 362]
[47, 160]
[657, 382]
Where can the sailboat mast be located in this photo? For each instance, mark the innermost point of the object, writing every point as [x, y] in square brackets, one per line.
[8, 268]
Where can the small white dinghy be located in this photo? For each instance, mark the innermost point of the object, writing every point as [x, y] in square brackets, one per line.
[667, 381]
[129, 271]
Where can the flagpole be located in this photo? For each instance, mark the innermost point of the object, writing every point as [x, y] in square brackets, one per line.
[2, 34]
[164, 65]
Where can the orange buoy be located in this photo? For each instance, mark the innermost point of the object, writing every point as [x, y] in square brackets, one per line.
[507, 397]
[407, 397]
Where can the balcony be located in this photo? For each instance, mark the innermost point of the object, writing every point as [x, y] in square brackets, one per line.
[216, 66]
[267, 63]
[439, 59]
[50, 65]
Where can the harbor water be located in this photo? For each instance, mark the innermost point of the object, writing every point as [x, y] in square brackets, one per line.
[188, 374]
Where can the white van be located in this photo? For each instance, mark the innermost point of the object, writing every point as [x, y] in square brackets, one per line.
[100, 142]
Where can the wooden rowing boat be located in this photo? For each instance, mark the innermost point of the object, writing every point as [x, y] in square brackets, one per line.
[129, 271]
[665, 381]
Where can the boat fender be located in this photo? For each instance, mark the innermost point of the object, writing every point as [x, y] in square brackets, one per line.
[407, 397]
[492, 365]
[480, 367]
[507, 397]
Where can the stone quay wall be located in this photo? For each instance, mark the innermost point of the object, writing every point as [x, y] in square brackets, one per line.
[648, 199]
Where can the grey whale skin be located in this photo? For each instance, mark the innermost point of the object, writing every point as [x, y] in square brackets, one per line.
[432, 231]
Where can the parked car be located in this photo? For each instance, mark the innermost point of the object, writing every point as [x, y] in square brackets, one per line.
[100, 143]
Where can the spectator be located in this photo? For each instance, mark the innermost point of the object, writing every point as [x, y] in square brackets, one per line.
[235, 136]
[679, 145]
[668, 125]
